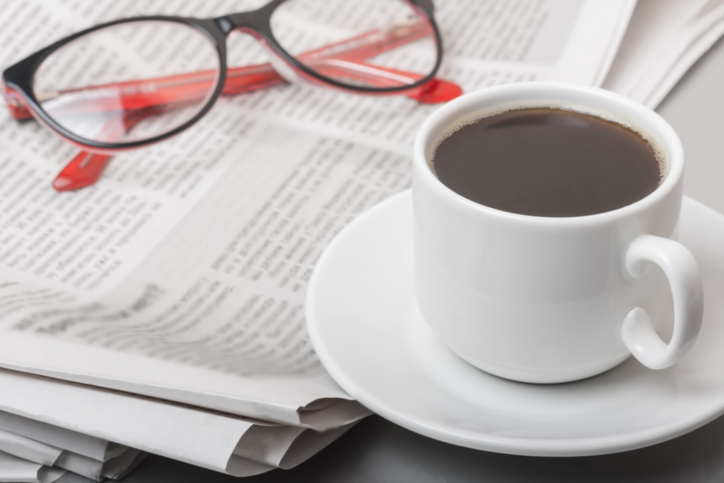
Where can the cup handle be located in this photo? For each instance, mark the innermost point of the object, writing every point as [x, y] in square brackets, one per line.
[682, 271]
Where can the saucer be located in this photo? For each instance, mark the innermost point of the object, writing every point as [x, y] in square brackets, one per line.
[366, 329]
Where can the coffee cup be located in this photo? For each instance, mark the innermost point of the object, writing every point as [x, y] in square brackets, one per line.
[549, 299]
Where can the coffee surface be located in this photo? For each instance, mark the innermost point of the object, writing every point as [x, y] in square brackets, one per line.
[548, 162]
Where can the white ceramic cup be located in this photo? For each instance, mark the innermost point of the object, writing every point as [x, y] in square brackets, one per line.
[546, 299]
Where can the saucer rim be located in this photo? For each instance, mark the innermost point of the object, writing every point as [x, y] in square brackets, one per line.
[525, 446]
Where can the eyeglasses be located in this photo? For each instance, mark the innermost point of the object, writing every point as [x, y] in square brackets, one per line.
[136, 81]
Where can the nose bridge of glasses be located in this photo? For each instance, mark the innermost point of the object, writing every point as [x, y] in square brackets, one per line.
[277, 62]
[429, 5]
[256, 24]
[251, 21]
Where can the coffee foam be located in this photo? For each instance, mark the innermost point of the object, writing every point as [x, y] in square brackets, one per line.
[606, 116]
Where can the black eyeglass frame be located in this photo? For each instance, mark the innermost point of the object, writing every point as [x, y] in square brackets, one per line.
[19, 77]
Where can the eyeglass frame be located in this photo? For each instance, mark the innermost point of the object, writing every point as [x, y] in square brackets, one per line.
[257, 23]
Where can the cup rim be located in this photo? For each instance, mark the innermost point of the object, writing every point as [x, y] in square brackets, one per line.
[550, 93]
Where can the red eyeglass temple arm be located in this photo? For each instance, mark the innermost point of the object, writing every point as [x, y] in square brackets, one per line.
[86, 168]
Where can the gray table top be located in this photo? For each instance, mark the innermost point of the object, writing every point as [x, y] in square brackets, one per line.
[378, 451]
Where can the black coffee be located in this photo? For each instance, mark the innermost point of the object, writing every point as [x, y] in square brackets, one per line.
[548, 162]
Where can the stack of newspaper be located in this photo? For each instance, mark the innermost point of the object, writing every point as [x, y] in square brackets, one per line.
[162, 309]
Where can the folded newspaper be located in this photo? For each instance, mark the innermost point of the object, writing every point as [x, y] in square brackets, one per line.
[177, 282]
[664, 39]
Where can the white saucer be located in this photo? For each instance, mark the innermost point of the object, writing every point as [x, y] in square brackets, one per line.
[365, 328]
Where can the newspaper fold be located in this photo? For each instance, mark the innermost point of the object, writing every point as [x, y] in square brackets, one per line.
[664, 39]
[46, 455]
[17, 470]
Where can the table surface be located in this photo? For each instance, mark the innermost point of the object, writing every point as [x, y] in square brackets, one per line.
[378, 451]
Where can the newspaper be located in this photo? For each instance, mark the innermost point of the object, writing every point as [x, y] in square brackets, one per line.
[664, 39]
[181, 275]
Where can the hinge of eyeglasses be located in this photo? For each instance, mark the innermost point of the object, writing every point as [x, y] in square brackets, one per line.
[16, 105]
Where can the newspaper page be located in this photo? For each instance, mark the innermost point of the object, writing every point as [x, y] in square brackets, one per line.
[182, 274]
[664, 39]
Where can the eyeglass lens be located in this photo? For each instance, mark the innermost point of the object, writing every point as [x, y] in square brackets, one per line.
[129, 82]
[370, 43]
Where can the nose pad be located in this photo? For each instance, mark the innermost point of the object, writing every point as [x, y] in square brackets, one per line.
[281, 66]
[283, 69]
